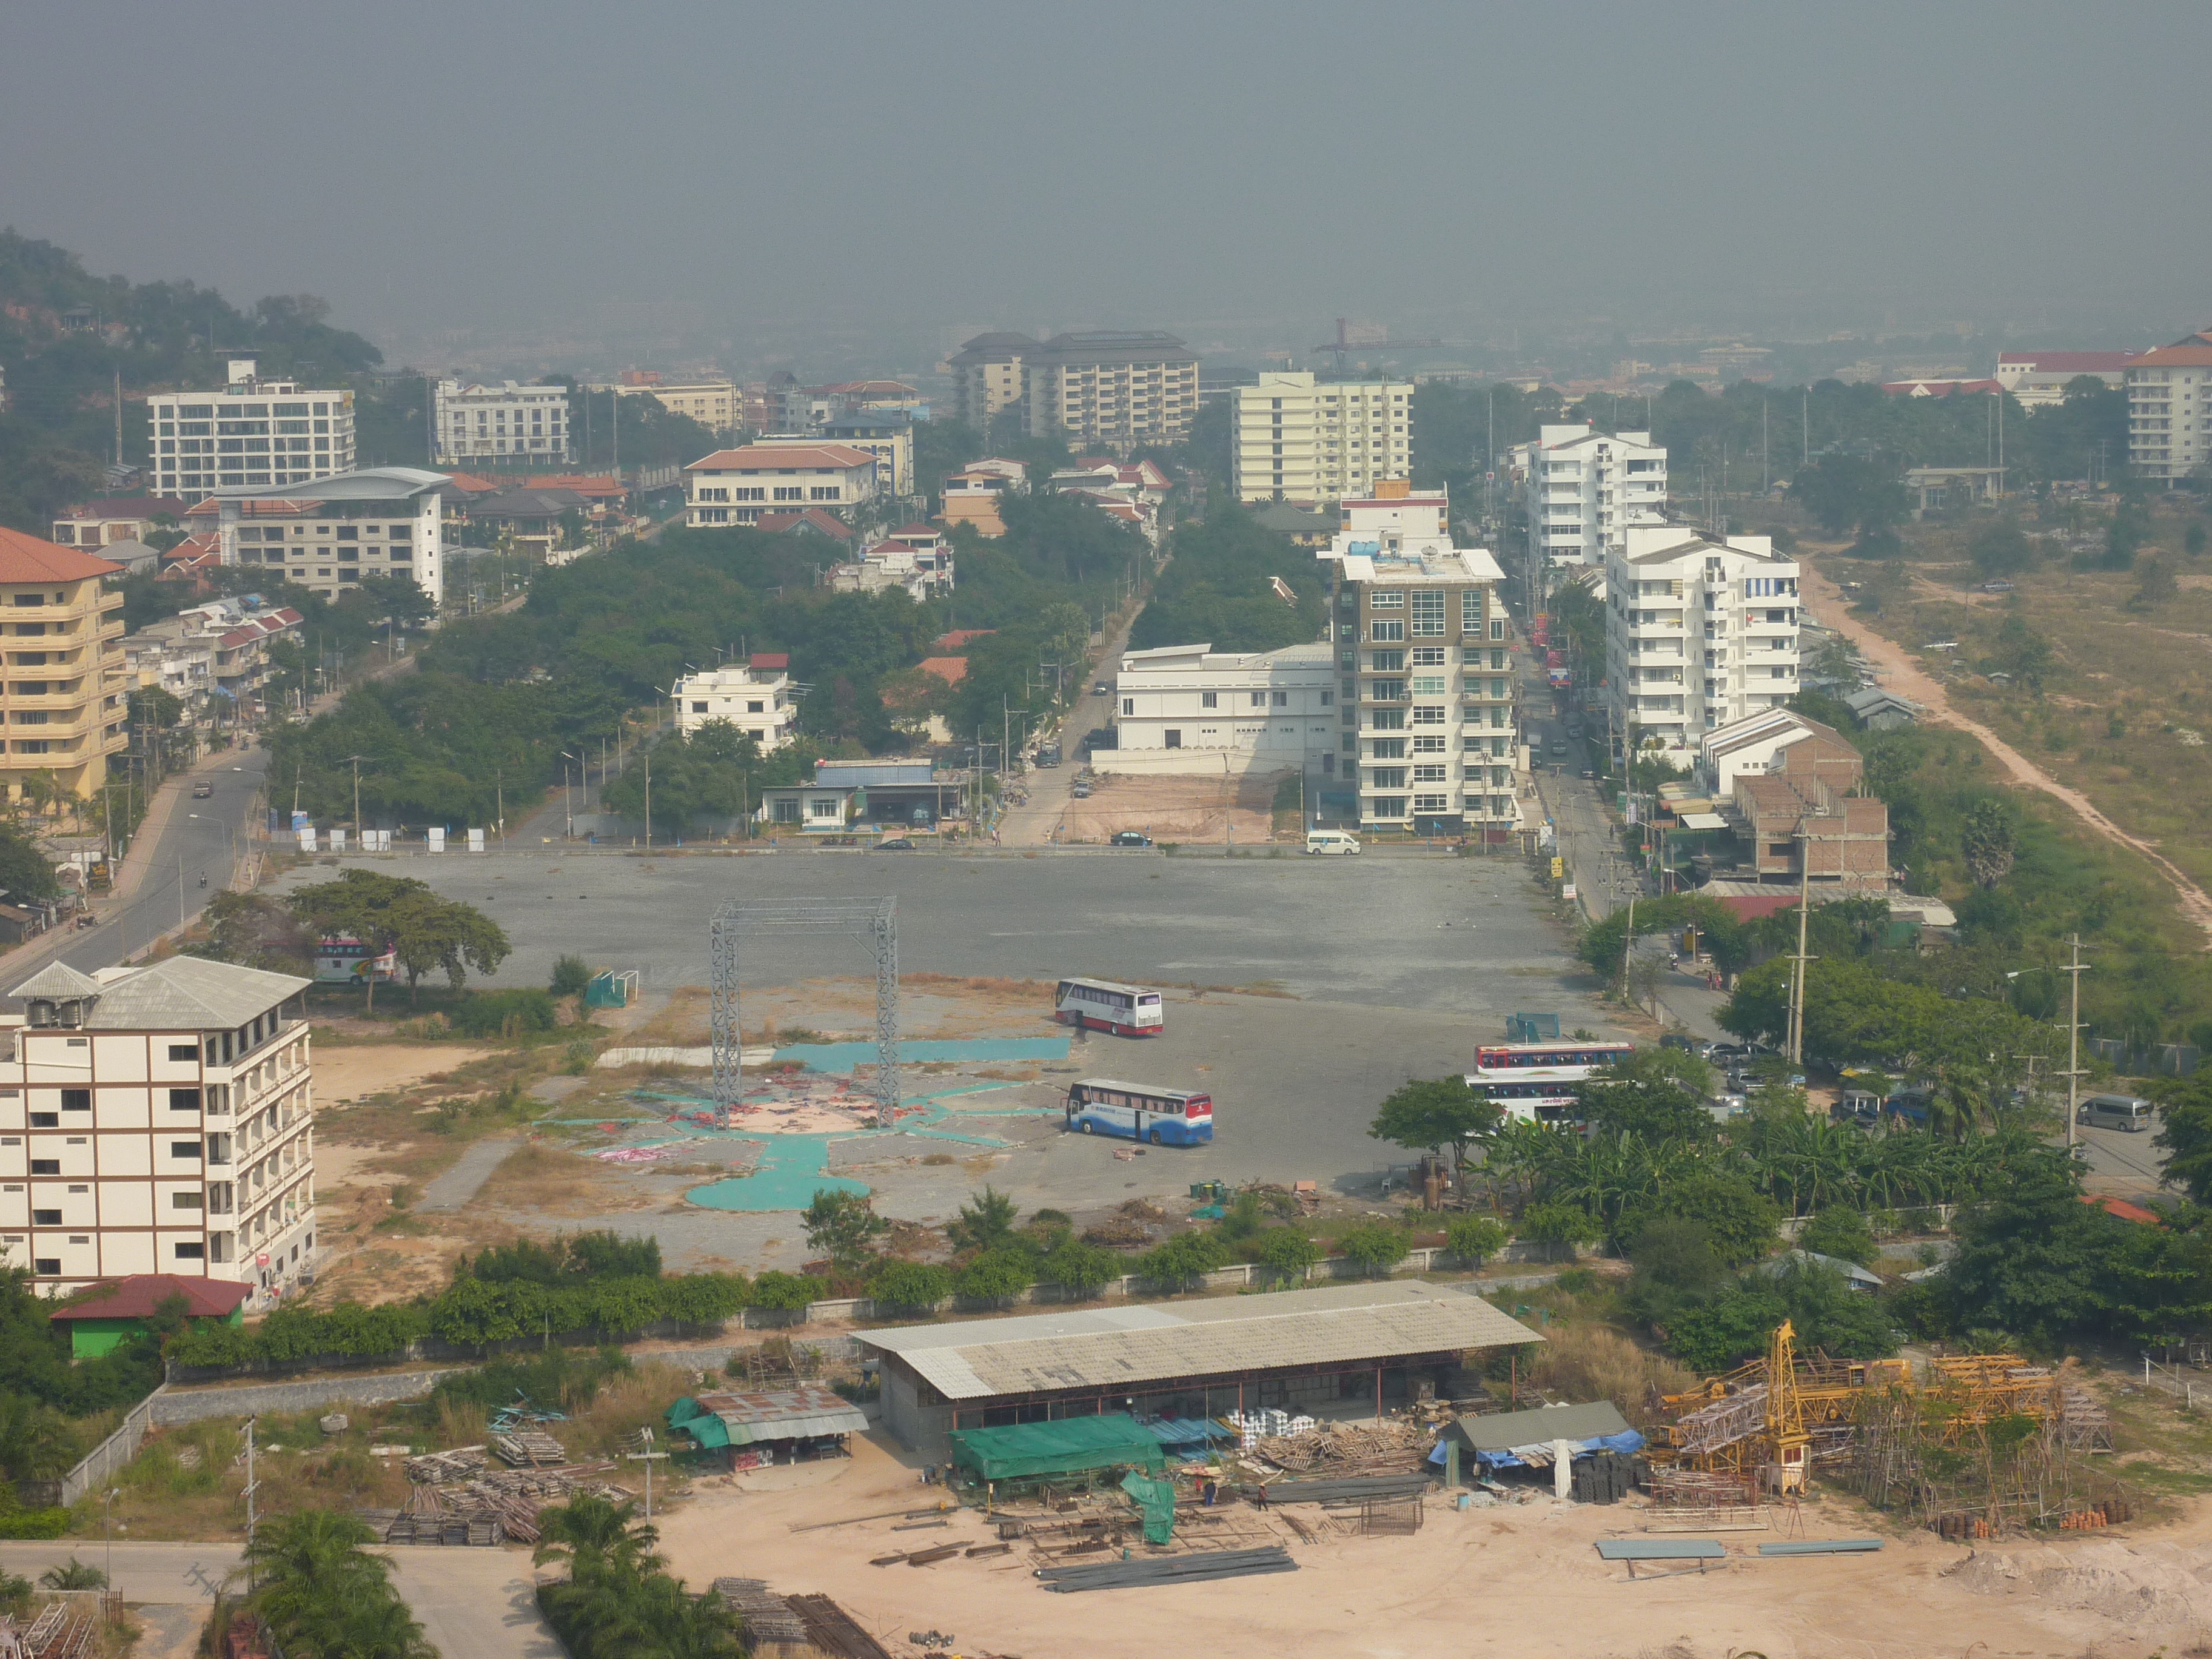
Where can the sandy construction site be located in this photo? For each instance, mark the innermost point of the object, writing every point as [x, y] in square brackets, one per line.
[1522, 1579]
[1175, 809]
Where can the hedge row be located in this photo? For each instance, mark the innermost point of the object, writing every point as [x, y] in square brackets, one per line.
[473, 1313]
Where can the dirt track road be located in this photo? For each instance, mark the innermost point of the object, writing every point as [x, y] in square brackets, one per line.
[1903, 676]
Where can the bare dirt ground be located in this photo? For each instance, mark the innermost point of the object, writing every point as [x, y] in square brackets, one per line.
[1903, 676]
[1523, 1580]
[1175, 809]
[345, 1071]
[843, 1009]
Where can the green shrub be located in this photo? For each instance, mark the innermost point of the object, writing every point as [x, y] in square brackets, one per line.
[571, 977]
[910, 1284]
[995, 1275]
[1182, 1260]
[1287, 1250]
[31, 1523]
[1558, 1223]
[1080, 1269]
[785, 1292]
[1841, 1231]
[518, 1012]
[1474, 1237]
[1375, 1245]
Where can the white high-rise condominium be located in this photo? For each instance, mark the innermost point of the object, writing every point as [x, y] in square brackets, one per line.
[1426, 725]
[503, 423]
[1304, 441]
[2170, 410]
[1700, 630]
[252, 431]
[1583, 489]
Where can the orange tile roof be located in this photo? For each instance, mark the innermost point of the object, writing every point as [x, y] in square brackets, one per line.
[583, 484]
[2195, 353]
[951, 669]
[27, 558]
[2121, 1208]
[960, 636]
[136, 1296]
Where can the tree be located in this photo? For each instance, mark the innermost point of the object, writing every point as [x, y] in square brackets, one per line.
[320, 1592]
[1434, 1114]
[1474, 1237]
[24, 871]
[843, 1225]
[2155, 584]
[74, 1575]
[255, 931]
[429, 932]
[911, 1283]
[1559, 1224]
[1840, 1231]
[571, 977]
[2023, 654]
[2032, 1256]
[152, 706]
[2001, 549]
[35, 1441]
[359, 904]
[2185, 1136]
[1658, 1093]
[995, 1276]
[1176, 1263]
[1375, 1246]
[1841, 491]
[1287, 1250]
[1739, 1218]
[1079, 1269]
[983, 1222]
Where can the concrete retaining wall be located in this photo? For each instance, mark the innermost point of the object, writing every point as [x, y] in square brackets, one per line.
[306, 1394]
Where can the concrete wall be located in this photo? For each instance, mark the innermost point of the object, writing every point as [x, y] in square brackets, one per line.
[172, 1406]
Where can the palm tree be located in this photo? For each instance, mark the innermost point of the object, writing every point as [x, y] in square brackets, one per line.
[323, 1595]
[35, 1442]
[589, 1530]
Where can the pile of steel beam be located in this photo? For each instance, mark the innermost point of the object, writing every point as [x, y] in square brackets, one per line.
[1169, 1570]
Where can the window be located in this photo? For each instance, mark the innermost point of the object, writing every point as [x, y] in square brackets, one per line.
[1377, 629]
[1389, 748]
[184, 1100]
[185, 1051]
[823, 808]
[1498, 628]
[698, 707]
[1428, 611]
[45, 1166]
[1428, 685]
[1386, 777]
[1128, 705]
[45, 1218]
[1388, 599]
[45, 1119]
[194, 1251]
[1172, 738]
[1428, 714]
[184, 1149]
[787, 811]
[1432, 803]
[1428, 745]
[1387, 662]
[1470, 611]
[1282, 699]
[1387, 806]
[187, 1201]
[1258, 699]
[1206, 700]
[77, 1100]
[1427, 656]
[48, 1267]
[1389, 719]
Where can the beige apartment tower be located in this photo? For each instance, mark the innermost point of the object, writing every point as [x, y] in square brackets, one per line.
[1316, 443]
[65, 696]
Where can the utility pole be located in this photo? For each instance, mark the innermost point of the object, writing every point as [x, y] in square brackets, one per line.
[357, 760]
[2074, 1037]
[648, 800]
[646, 1456]
[1804, 917]
[251, 1486]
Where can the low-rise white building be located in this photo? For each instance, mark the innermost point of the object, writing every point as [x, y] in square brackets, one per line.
[755, 696]
[738, 486]
[2038, 379]
[1215, 714]
[381, 521]
[157, 1120]
[924, 572]
[1583, 489]
[253, 432]
[1700, 631]
[475, 424]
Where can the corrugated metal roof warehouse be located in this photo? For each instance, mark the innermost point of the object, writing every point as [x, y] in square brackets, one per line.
[1300, 1350]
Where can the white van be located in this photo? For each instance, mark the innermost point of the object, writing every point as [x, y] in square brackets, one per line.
[2130, 1112]
[1330, 841]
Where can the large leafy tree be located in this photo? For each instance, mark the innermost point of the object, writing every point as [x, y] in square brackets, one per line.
[431, 935]
[2185, 1136]
[2031, 1255]
[1657, 1093]
[1435, 1114]
[359, 904]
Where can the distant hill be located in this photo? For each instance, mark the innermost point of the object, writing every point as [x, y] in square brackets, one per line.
[66, 335]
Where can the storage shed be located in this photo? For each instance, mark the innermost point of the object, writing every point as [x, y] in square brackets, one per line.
[115, 1311]
[769, 1426]
[1339, 1350]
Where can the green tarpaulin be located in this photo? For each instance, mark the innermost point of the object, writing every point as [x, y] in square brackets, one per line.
[1069, 1446]
[1156, 1499]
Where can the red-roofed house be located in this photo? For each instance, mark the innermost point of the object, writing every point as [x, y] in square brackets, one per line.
[738, 486]
[117, 1311]
[814, 522]
[2124, 1209]
[68, 725]
[925, 538]
[951, 669]
[2168, 390]
[958, 638]
[1941, 388]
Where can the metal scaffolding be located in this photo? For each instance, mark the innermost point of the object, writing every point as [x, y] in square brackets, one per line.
[874, 920]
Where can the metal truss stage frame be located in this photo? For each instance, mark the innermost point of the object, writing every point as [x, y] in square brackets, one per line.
[874, 920]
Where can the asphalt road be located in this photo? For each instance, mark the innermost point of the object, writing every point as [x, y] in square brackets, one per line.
[144, 1573]
[201, 838]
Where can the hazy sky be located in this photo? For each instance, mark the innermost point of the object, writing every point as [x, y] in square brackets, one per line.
[799, 171]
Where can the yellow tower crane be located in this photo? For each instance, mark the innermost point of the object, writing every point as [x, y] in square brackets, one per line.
[1785, 1415]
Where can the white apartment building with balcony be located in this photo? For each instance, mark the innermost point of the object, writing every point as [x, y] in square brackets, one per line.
[253, 432]
[755, 697]
[2170, 410]
[1426, 722]
[490, 425]
[1315, 442]
[381, 521]
[1700, 631]
[157, 1120]
[1189, 709]
[736, 486]
[1582, 490]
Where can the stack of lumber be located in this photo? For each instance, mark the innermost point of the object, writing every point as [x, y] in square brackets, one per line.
[833, 1631]
[530, 1449]
[773, 1630]
[433, 1468]
[1349, 1489]
[1348, 1449]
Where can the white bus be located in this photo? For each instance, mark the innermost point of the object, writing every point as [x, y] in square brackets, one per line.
[1139, 1111]
[1100, 1004]
[1533, 1095]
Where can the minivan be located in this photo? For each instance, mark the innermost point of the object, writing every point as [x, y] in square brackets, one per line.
[1331, 840]
[2130, 1112]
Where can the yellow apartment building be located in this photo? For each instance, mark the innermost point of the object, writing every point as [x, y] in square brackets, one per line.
[65, 696]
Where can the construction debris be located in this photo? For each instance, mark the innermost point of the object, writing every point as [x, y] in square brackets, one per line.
[772, 1629]
[834, 1632]
[530, 1449]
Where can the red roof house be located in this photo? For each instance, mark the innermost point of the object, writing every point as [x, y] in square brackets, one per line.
[117, 1310]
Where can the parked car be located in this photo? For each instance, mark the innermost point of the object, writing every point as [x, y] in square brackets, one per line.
[895, 844]
[203, 790]
[1997, 587]
[1332, 841]
[1102, 689]
[1702, 1047]
[1129, 838]
[1080, 790]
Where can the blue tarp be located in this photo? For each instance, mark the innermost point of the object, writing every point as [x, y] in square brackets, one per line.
[1627, 1441]
[1184, 1431]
